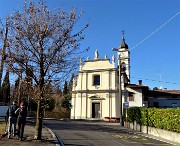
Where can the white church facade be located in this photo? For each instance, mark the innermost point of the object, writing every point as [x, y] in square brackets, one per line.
[95, 92]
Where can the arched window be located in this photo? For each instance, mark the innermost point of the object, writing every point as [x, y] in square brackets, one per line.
[123, 66]
[96, 80]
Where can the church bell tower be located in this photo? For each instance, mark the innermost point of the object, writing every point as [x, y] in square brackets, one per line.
[124, 53]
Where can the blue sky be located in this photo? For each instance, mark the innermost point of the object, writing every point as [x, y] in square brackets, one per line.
[156, 59]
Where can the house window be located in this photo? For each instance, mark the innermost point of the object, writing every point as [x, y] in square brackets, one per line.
[156, 104]
[96, 80]
[131, 97]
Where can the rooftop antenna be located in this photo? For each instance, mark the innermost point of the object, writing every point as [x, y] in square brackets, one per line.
[160, 80]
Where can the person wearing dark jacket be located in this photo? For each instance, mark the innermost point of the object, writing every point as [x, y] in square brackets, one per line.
[22, 114]
[12, 119]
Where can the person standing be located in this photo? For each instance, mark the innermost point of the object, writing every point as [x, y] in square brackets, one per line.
[22, 114]
[12, 119]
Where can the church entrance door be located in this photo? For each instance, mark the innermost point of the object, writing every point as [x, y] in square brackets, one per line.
[95, 110]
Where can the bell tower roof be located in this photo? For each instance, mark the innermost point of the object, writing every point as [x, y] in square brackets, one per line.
[123, 44]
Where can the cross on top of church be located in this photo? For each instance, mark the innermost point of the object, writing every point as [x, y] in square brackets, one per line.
[123, 32]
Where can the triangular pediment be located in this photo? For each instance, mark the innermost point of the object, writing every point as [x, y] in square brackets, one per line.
[97, 64]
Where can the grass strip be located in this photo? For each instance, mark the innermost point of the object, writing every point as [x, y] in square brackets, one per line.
[3, 127]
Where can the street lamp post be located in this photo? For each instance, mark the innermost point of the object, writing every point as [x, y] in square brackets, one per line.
[120, 90]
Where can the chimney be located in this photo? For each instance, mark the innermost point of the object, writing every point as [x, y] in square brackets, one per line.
[140, 82]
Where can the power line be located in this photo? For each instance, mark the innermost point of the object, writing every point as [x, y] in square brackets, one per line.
[166, 82]
[156, 30]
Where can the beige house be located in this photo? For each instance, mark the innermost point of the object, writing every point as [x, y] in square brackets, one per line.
[95, 92]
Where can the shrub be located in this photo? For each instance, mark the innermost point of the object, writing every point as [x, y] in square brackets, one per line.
[167, 119]
[57, 114]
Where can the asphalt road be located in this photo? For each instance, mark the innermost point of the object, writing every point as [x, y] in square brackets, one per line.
[96, 133]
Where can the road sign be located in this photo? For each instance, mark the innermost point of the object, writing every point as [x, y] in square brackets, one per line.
[126, 104]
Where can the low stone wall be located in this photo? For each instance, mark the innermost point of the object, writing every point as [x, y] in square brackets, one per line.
[169, 135]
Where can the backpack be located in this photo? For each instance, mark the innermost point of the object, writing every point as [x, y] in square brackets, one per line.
[12, 111]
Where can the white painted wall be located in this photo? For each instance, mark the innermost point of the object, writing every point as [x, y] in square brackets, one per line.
[137, 97]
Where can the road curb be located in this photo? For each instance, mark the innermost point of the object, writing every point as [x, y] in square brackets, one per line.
[54, 135]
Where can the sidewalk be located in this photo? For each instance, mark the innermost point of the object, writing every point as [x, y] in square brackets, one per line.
[47, 136]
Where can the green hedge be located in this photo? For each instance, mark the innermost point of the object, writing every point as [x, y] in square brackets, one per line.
[167, 119]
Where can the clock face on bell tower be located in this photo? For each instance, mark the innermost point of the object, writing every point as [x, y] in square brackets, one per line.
[122, 54]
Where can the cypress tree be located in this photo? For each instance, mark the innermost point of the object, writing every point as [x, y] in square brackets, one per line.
[65, 90]
[71, 83]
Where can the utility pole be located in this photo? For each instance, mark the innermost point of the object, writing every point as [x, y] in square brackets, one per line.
[120, 90]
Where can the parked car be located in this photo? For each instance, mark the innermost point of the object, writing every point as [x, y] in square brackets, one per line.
[3, 110]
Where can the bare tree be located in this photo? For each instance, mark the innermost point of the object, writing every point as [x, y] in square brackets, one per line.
[44, 44]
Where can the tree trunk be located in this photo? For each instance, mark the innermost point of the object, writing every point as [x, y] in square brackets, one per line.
[3, 57]
[38, 129]
[38, 132]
